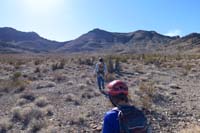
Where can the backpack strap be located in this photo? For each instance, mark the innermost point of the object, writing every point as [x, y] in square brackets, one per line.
[124, 120]
[122, 123]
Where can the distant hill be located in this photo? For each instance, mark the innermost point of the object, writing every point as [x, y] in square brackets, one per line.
[30, 41]
[98, 40]
[189, 43]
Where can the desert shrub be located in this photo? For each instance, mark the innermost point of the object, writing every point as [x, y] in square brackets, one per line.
[59, 65]
[86, 61]
[12, 86]
[147, 93]
[48, 110]
[5, 125]
[88, 81]
[51, 129]
[123, 58]
[58, 77]
[191, 129]
[80, 120]
[41, 101]
[54, 66]
[70, 82]
[36, 125]
[151, 59]
[20, 88]
[18, 63]
[37, 70]
[37, 62]
[16, 114]
[16, 76]
[29, 113]
[22, 102]
[188, 67]
[110, 65]
[109, 77]
[82, 86]
[62, 64]
[69, 97]
[87, 95]
[28, 96]
[117, 66]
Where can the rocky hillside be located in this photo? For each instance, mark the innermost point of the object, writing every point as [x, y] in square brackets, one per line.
[97, 40]
[189, 43]
[25, 41]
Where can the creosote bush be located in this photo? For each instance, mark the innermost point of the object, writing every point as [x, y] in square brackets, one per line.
[147, 91]
[86, 61]
[16, 76]
[41, 102]
[5, 125]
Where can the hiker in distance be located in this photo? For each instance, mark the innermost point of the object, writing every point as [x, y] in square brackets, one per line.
[100, 71]
[123, 118]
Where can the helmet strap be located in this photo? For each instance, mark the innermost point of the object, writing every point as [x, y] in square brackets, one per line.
[111, 100]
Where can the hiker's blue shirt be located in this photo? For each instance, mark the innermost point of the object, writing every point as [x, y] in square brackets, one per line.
[111, 122]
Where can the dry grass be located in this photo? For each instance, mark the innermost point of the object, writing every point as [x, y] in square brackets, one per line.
[26, 114]
[15, 86]
[82, 86]
[5, 125]
[22, 101]
[41, 101]
[48, 110]
[70, 97]
[147, 92]
[191, 129]
[70, 83]
[58, 77]
[109, 77]
[36, 125]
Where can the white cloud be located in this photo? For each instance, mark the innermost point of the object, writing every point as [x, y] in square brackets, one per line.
[174, 33]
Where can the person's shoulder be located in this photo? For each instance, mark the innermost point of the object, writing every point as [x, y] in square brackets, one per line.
[111, 113]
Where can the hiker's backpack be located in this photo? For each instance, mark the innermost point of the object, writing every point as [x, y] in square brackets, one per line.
[100, 68]
[132, 120]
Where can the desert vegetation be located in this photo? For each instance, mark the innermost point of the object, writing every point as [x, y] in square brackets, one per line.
[58, 93]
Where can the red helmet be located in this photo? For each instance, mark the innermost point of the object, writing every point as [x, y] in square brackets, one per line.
[117, 87]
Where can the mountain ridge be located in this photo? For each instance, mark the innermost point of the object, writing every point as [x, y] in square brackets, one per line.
[96, 40]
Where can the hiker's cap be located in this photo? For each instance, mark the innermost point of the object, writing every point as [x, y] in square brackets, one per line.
[117, 87]
[100, 59]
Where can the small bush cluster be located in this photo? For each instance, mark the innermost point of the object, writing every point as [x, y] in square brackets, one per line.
[60, 65]
[31, 112]
[147, 91]
[5, 125]
[37, 62]
[86, 61]
[37, 70]
[16, 76]
[191, 129]
[41, 102]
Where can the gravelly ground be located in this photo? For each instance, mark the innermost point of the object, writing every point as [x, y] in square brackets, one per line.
[78, 106]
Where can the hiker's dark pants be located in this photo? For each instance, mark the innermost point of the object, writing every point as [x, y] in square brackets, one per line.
[100, 81]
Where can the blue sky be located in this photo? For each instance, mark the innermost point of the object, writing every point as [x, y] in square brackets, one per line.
[64, 20]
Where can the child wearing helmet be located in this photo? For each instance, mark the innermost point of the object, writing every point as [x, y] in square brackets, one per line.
[123, 118]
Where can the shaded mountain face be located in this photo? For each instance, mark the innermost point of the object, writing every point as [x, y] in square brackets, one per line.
[27, 40]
